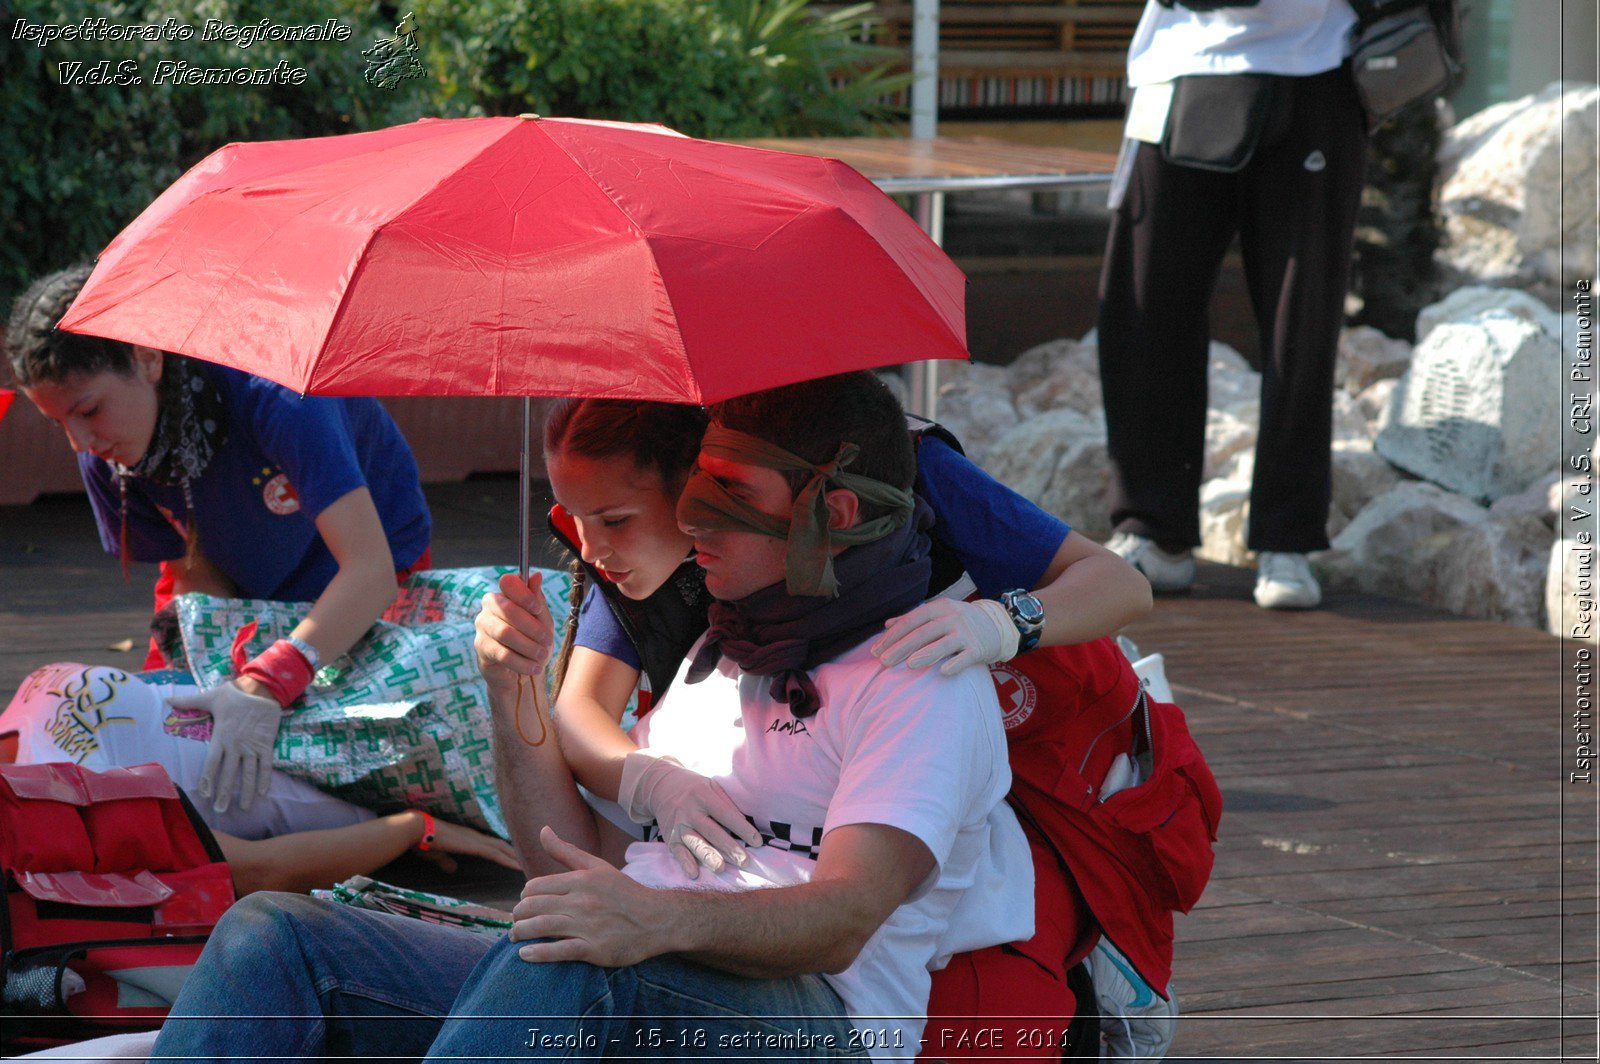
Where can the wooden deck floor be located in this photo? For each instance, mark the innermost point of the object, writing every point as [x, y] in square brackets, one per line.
[1395, 875]
[1402, 871]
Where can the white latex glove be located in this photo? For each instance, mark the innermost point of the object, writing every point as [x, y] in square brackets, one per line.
[959, 634]
[695, 816]
[244, 731]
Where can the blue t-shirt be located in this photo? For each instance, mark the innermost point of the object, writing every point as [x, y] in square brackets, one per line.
[1002, 539]
[286, 460]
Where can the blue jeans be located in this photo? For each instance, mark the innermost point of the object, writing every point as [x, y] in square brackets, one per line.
[287, 977]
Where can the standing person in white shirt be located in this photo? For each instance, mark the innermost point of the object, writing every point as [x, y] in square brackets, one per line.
[877, 793]
[1292, 202]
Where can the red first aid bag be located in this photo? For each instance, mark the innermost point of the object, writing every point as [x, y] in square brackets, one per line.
[1139, 854]
[112, 883]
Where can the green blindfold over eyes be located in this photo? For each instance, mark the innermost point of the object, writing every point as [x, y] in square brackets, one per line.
[809, 560]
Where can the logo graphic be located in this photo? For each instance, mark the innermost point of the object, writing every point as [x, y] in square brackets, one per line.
[1316, 161]
[392, 60]
[1018, 695]
[279, 495]
[83, 709]
[788, 727]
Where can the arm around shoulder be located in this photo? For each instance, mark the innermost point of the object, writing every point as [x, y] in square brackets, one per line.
[1088, 592]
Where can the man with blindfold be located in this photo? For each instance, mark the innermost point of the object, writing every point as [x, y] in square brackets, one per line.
[878, 795]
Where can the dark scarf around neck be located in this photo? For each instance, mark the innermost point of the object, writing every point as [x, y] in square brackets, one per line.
[190, 426]
[773, 633]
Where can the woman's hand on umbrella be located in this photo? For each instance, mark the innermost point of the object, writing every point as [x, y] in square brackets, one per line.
[515, 632]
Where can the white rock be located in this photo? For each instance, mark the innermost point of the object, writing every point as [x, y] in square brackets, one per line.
[1232, 384]
[1468, 135]
[1241, 466]
[953, 372]
[1467, 303]
[1569, 593]
[1359, 476]
[1367, 356]
[1225, 521]
[1351, 423]
[1374, 401]
[1495, 570]
[978, 416]
[1387, 547]
[1541, 500]
[1420, 543]
[1038, 364]
[1228, 433]
[1517, 189]
[1477, 412]
[1058, 460]
[1075, 384]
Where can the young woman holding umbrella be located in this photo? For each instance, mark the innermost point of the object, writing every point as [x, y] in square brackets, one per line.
[238, 487]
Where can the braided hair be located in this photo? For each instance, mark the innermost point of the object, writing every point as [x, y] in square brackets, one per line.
[38, 351]
[664, 437]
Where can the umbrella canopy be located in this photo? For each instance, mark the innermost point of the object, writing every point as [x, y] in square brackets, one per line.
[526, 256]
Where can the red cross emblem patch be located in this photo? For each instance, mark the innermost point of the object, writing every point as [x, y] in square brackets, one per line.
[1018, 695]
[279, 495]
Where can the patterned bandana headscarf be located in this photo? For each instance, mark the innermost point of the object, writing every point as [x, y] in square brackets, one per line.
[705, 503]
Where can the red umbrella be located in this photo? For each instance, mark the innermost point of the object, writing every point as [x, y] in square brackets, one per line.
[526, 256]
[6, 395]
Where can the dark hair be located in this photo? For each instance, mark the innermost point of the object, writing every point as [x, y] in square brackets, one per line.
[664, 437]
[811, 419]
[38, 351]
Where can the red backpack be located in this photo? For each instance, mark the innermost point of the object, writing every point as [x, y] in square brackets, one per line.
[112, 884]
[1143, 853]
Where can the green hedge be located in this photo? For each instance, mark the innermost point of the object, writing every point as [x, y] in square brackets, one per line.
[82, 160]
[724, 68]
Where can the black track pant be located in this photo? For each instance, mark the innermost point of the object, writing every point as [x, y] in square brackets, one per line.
[1294, 209]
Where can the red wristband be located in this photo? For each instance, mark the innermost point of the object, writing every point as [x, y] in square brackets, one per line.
[429, 831]
[282, 670]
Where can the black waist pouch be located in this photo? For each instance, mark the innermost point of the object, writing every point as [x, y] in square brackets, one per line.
[1400, 60]
[1218, 120]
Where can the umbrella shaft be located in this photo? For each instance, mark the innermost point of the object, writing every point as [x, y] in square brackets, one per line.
[525, 505]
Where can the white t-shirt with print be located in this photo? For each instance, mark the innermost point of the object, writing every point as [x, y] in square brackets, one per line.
[101, 718]
[907, 748]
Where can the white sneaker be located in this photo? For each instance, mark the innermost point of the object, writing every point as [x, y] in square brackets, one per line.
[1136, 1023]
[1284, 582]
[1167, 572]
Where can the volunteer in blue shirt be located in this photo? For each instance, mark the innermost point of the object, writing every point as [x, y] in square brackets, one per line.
[240, 488]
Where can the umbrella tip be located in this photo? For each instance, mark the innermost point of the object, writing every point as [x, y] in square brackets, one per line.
[529, 116]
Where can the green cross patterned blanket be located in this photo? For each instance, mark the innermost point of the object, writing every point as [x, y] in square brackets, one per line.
[402, 720]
